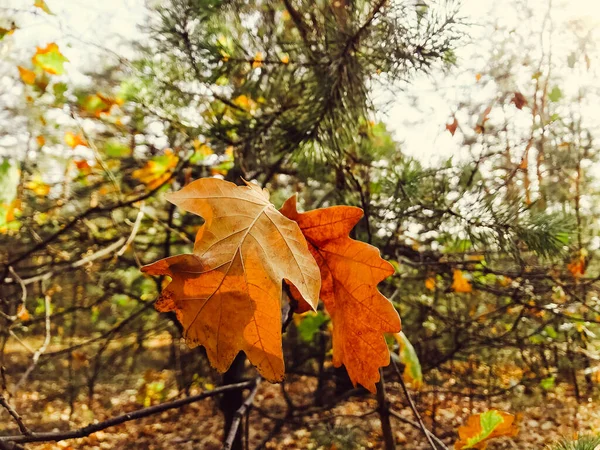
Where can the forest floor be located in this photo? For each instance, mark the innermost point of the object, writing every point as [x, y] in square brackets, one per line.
[353, 424]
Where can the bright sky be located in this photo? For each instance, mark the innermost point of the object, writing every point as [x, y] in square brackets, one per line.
[86, 28]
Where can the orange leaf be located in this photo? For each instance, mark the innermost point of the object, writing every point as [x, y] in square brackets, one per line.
[451, 127]
[519, 100]
[480, 428]
[157, 170]
[350, 272]
[28, 76]
[50, 59]
[73, 140]
[227, 295]
[460, 283]
[258, 60]
[41, 140]
[22, 313]
[430, 283]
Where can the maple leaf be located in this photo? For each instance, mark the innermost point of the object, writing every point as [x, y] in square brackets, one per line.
[460, 283]
[50, 59]
[227, 294]
[350, 273]
[480, 428]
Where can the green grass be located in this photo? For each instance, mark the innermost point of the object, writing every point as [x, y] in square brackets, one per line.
[582, 443]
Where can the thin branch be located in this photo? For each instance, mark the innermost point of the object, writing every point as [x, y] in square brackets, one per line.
[15, 415]
[233, 430]
[41, 350]
[401, 418]
[57, 436]
[413, 407]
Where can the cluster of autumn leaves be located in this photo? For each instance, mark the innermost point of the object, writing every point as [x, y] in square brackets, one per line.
[227, 294]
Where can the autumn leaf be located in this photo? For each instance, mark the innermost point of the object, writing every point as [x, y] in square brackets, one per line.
[227, 294]
[22, 313]
[350, 272]
[258, 60]
[28, 76]
[460, 283]
[285, 59]
[73, 140]
[430, 283]
[451, 127]
[38, 186]
[43, 6]
[577, 266]
[7, 31]
[41, 140]
[50, 59]
[519, 100]
[480, 428]
[157, 170]
[408, 357]
[483, 118]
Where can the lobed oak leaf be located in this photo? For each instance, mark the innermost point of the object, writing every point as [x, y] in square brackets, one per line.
[350, 273]
[227, 294]
[480, 428]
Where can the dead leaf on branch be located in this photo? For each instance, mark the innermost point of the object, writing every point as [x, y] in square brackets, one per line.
[350, 273]
[227, 294]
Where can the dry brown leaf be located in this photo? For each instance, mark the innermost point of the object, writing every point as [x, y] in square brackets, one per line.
[350, 272]
[227, 295]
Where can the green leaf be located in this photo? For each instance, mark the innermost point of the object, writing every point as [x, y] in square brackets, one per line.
[309, 326]
[116, 149]
[555, 94]
[408, 357]
[547, 384]
[9, 180]
[50, 59]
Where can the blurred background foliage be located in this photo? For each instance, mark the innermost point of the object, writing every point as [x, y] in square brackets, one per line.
[495, 247]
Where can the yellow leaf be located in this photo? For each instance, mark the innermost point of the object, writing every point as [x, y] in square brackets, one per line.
[28, 76]
[430, 283]
[43, 6]
[460, 283]
[50, 59]
[38, 187]
[22, 313]
[73, 140]
[157, 170]
[285, 59]
[258, 60]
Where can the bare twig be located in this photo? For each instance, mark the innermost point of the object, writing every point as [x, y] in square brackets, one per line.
[57, 436]
[41, 350]
[15, 415]
[384, 414]
[233, 430]
[134, 230]
[413, 407]
[401, 418]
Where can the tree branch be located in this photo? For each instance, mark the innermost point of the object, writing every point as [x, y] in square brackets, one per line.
[233, 430]
[139, 414]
